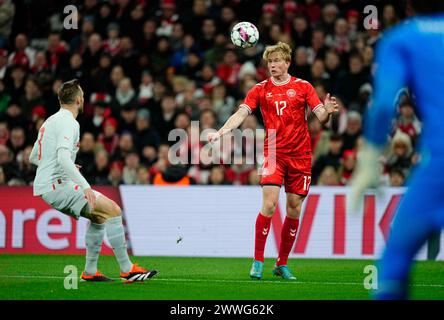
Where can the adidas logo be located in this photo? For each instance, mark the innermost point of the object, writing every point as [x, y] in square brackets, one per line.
[142, 276]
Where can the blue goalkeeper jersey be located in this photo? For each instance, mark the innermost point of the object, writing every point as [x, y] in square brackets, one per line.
[411, 54]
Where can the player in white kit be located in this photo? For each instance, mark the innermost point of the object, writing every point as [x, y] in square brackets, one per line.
[60, 184]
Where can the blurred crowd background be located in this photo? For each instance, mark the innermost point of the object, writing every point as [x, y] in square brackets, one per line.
[148, 67]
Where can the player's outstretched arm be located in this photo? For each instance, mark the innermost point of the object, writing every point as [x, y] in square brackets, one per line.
[232, 123]
[330, 106]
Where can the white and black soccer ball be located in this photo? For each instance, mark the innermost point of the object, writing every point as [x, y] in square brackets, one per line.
[244, 35]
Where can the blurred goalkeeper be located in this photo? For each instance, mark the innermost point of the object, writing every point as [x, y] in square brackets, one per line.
[411, 54]
[60, 184]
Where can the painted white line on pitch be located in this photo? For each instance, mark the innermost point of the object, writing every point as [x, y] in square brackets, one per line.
[285, 282]
[233, 281]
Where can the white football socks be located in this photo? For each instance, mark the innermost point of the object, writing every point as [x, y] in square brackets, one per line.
[93, 240]
[116, 237]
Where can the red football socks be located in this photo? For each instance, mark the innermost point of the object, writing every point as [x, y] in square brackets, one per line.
[288, 235]
[262, 231]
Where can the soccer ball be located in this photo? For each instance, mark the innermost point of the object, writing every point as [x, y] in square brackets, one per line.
[244, 35]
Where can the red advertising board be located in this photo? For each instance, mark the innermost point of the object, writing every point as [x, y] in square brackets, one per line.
[29, 225]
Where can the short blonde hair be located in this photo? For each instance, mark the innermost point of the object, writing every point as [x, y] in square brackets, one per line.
[282, 48]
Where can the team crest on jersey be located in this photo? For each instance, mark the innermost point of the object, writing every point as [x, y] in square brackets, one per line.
[291, 93]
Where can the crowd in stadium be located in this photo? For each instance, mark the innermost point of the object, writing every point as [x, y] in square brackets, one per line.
[147, 67]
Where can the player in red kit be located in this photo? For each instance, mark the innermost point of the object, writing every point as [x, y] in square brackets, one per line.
[287, 149]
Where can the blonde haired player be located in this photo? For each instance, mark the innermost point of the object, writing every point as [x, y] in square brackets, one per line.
[282, 99]
[60, 184]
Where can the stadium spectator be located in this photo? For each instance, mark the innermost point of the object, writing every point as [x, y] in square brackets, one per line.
[339, 40]
[2, 177]
[165, 121]
[38, 116]
[40, 64]
[300, 31]
[4, 133]
[112, 44]
[217, 176]
[174, 175]
[104, 17]
[109, 138]
[7, 163]
[223, 104]
[318, 47]
[128, 58]
[239, 171]
[116, 174]
[160, 58]
[396, 178]
[300, 65]
[125, 147]
[352, 131]
[101, 168]
[56, 54]
[400, 153]
[389, 16]
[332, 67]
[328, 177]
[14, 117]
[331, 159]
[407, 121]
[127, 120]
[101, 110]
[7, 11]
[100, 76]
[23, 54]
[32, 96]
[17, 141]
[26, 169]
[125, 94]
[145, 134]
[351, 80]
[228, 70]
[117, 74]
[129, 174]
[3, 63]
[16, 82]
[348, 163]
[227, 18]
[253, 178]
[85, 156]
[146, 87]
[168, 17]
[143, 175]
[5, 98]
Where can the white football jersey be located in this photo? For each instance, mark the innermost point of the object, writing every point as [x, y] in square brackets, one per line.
[61, 130]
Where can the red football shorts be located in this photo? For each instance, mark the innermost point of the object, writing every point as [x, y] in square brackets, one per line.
[294, 173]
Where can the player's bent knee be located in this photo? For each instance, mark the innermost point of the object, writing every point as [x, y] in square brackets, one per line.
[115, 210]
[294, 214]
[98, 219]
[269, 208]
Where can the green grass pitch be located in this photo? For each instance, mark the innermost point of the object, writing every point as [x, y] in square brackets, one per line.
[42, 277]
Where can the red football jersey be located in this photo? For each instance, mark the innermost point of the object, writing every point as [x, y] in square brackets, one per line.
[283, 108]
